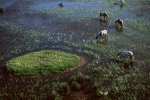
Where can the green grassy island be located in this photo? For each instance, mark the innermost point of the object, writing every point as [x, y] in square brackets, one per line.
[42, 62]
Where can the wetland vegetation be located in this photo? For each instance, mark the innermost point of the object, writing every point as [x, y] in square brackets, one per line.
[31, 26]
[42, 62]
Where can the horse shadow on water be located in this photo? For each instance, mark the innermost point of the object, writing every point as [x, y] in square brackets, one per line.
[102, 41]
[119, 29]
[121, 63]
[121, 6]
[103, 22]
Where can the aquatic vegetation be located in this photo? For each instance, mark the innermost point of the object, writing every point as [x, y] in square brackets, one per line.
[116, 83]
[73, 29]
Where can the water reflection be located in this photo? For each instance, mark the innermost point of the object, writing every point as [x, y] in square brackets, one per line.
[103, 22]
[126, 65]
[119, 29]
[102, 41]
[121, 5]
[121, 63]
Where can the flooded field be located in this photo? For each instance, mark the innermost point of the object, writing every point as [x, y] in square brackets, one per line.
[33, 25]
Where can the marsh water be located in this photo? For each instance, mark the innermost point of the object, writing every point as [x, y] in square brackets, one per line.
[27, 26]
[33, 25]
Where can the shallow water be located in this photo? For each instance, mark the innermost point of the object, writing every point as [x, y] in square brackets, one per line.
[5, 3]
[33, 25]
[76, 25]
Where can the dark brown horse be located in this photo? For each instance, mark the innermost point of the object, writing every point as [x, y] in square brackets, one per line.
[60, 4]
[104, 14]
[120, 22]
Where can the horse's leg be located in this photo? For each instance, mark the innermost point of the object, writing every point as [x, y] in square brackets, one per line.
[121, 57]
[121, 25]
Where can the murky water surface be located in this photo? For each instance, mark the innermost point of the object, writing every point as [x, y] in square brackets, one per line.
[33, 25]
[75, 24]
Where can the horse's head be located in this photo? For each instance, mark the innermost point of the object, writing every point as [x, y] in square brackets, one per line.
[106, 14]
[97, 37]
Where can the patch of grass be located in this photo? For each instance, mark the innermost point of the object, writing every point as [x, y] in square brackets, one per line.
[79, 82]
[121, 84]
[42, 62]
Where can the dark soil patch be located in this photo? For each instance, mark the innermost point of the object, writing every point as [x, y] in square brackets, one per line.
[81, 95]
[5, 41]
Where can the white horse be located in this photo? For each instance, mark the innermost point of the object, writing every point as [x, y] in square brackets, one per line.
[102, 34]
[125, 55]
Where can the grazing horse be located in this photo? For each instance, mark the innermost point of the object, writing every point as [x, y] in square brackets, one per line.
[102, 34]
[104, 14]
[122, 2]
[119, 21]
[60, 4]
[1, 10]
[121, 56]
